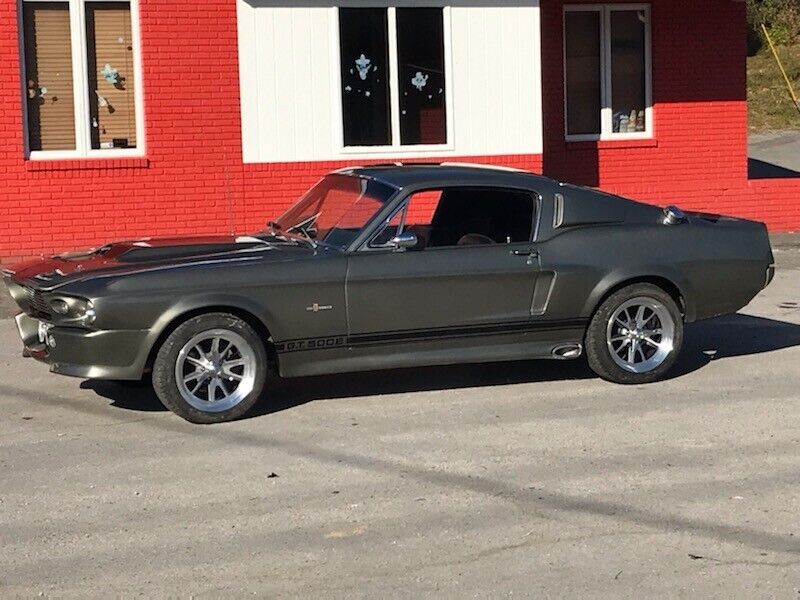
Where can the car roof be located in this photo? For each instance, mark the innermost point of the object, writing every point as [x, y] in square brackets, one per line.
[402, 175]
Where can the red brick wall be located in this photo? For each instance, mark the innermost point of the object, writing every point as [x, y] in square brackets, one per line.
[189, 52]
[698, 159]
[193, 179]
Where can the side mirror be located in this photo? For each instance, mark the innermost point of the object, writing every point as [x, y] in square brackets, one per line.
[404, 241]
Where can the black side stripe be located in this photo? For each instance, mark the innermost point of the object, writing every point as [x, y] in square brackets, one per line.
[415, 335]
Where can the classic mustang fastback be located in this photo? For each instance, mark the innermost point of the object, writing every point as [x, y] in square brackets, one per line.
[393, 266]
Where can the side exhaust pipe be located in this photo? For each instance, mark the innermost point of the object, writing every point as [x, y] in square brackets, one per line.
[567, 351]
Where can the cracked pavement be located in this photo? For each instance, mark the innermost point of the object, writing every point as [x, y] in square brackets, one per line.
[528, 480]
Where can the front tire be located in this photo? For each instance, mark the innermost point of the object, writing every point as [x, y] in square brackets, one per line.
[211, 369]
[635, 336]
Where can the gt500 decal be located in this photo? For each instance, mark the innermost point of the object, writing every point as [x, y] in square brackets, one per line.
[313, 344]
[394, 337]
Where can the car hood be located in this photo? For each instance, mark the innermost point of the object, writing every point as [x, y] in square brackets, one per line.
[131, 256]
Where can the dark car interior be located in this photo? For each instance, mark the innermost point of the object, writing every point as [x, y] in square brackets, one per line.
[473, 217]
[469, 217]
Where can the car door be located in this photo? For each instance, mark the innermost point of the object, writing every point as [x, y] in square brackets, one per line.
[472, 273]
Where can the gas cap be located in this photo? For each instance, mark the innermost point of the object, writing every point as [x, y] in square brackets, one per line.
[674, 216]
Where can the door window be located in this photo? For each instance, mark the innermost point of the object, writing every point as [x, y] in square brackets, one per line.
[463, 217]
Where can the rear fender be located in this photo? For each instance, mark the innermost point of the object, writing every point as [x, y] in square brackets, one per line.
[653, 273]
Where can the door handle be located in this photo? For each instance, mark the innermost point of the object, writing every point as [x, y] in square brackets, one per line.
[526, 253]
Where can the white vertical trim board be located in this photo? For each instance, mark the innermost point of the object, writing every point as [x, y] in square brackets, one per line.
[394, 89]
[291, 85]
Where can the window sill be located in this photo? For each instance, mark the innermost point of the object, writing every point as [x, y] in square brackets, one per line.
[379, 151]
[81, 164]
[612, 144]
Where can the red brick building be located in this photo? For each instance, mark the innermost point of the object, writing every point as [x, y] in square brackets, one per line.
[154, 117]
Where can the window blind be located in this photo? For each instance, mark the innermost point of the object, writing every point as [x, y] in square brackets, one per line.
[48, 69]
[111, 75]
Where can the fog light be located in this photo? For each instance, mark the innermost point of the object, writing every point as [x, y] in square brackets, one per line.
[59, 307]
[89, 316]
[51, 341]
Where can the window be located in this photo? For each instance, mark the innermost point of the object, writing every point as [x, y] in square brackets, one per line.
[607, 72]
[81, 79]
[393, 77]
[459, 217]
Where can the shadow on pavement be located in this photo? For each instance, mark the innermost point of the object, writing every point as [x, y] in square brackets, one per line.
[724, 337]
[731, 336]
[759, 169]
[129, 395]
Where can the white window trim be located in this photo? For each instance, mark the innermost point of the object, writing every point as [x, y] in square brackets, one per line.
[80, 77]
[606, 112]
[396, 148]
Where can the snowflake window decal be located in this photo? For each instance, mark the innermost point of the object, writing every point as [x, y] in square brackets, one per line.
[364, 66]
[420, 80]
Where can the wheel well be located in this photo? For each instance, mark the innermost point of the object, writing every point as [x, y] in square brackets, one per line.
[660, 282]
[246, 316]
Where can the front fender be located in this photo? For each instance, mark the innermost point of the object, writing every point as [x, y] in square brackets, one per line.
[620, 277]
[198, 302]
[195, 302]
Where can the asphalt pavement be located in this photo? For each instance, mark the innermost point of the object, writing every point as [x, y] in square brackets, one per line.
[514, 480]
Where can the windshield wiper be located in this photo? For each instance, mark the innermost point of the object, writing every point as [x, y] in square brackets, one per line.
[297, 232]
[304, 237]
[301, 229]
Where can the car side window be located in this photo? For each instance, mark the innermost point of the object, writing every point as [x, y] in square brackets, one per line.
[462, 217]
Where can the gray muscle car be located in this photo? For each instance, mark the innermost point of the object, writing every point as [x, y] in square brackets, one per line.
[393, 266]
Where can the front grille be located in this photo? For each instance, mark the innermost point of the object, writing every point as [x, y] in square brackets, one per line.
[37, 306]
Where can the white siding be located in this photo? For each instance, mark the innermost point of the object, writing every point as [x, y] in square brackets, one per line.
[291, 104]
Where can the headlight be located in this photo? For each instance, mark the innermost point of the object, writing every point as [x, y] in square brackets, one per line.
[77, 310]
[60, 307]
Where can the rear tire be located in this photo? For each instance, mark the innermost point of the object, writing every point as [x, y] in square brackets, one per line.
[211, 369]
[635, 336]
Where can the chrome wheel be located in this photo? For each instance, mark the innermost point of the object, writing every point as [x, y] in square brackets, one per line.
[640, 335]
[216, 370]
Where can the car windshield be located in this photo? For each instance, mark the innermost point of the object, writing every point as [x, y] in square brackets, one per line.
[335, 210]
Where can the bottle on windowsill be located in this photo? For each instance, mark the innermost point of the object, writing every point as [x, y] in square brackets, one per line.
[624, 120]
[640, 122]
